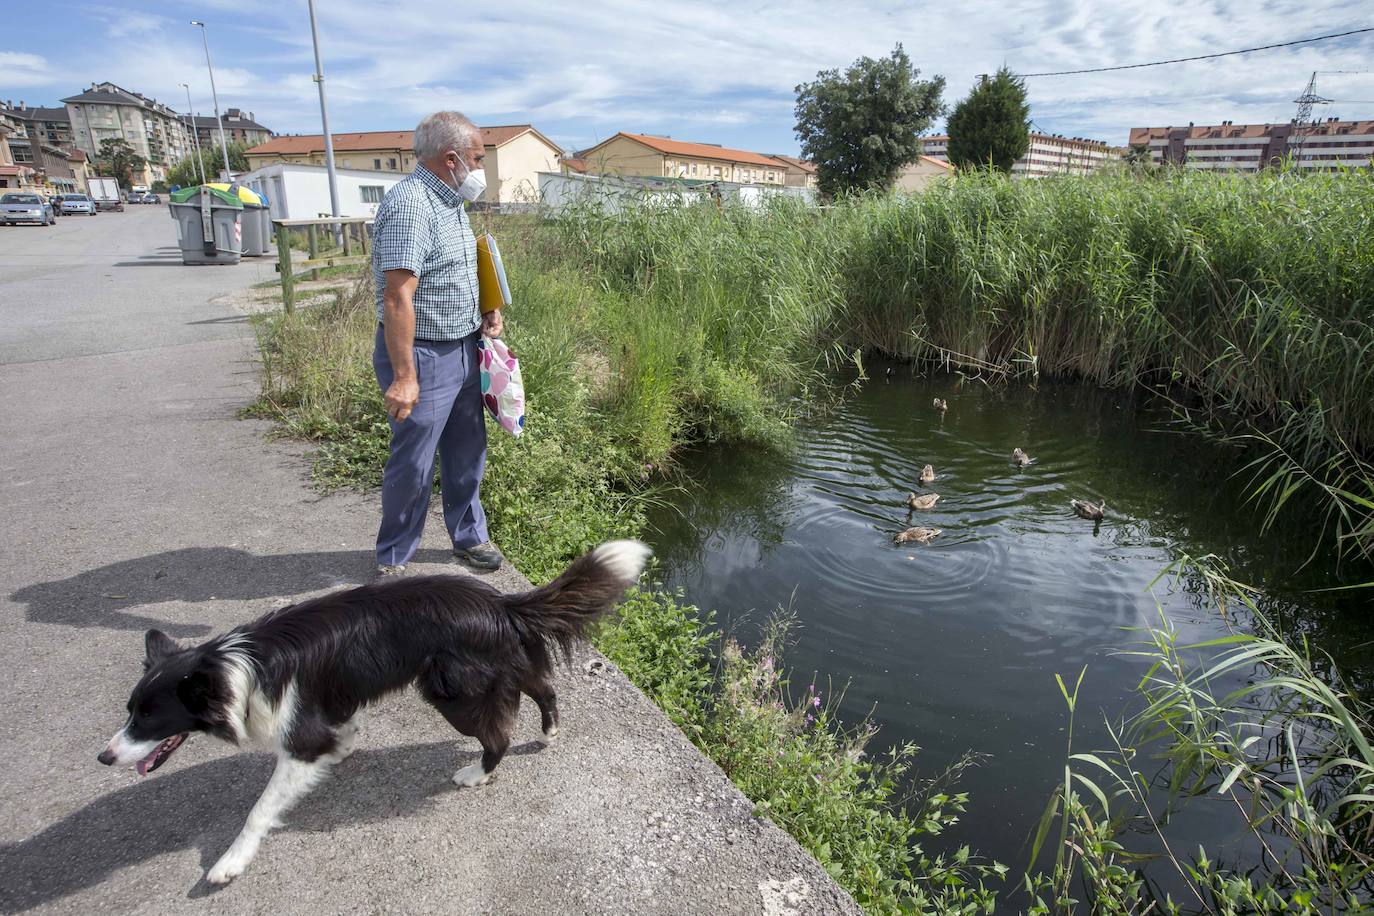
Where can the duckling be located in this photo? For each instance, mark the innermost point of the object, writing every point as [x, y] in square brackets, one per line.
[919, 535]
[1085, 509]
[1021, 458]
[941, 405]
[927, 473]
[927, 501]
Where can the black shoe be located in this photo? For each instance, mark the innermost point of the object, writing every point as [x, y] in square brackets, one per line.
[483, 556]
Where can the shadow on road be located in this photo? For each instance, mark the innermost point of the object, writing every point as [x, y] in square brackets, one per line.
[151, 262]
[204, 806]
[119, 596]
[227, 319]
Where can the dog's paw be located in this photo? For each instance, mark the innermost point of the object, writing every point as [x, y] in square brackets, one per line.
[551, 735]
[229, 867]
[471, 776]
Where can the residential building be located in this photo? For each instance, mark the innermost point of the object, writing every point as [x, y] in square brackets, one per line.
[515, 154]
[799, 173]
[1048, 154]
[918, 175]
[1232, 147]
[239, 127]
[12, 174]
[52, 126]
[645, 155]
[301, 190]
[156, 132]
[29, 161]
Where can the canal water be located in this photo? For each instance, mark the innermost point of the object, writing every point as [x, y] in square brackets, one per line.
[954, 645]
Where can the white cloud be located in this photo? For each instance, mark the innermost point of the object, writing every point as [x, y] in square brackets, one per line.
[19, 70]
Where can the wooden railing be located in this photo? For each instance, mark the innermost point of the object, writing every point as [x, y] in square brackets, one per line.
[342, 228]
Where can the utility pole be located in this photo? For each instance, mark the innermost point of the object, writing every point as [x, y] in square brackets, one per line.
[1301, 120]
[223, 144]
[195, 139]
[324, 118]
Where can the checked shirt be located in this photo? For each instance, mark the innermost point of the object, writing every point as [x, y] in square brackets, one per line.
[421, 227]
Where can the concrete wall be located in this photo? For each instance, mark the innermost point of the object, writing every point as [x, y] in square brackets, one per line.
[623, 156]
[917, 176]
[513, 169]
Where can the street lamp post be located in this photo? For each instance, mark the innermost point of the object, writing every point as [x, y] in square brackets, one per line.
[195, 140]
[324, 118]
[223, 144]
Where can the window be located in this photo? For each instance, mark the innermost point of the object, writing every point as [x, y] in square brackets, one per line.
[377, 164]
[371, 193]
[391, 164]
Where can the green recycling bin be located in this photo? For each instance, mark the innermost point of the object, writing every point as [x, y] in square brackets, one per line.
[209, 225]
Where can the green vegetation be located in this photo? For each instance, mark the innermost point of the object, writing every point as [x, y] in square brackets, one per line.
[211, 162]
[1245, 299]
[118, 159]
[862, 126]
[988, 128]
[1281, 757]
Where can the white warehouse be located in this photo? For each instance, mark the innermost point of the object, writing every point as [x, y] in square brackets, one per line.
[298, 191]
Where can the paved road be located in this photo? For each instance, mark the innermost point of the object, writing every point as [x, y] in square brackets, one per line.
[133, 497]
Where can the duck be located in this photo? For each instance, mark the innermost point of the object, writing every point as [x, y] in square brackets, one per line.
[927, 473]
[919, 535]
[1085, 509]
[1021, 458]
[941, 405]
[927, 501]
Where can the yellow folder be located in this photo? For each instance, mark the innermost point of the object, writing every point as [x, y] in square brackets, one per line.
[492, 290]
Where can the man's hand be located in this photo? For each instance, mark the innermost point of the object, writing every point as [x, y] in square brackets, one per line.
[401, 398]
[492, 324]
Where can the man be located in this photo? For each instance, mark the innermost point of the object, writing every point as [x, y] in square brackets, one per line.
[424, 263]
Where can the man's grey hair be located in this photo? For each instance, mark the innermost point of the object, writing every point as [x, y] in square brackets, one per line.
[443, 131]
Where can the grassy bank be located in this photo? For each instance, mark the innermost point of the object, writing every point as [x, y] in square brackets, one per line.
[1243, 298]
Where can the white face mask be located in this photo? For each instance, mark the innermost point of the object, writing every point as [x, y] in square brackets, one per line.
[472, 186]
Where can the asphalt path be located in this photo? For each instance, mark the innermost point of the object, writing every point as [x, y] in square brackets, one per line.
[133, 497]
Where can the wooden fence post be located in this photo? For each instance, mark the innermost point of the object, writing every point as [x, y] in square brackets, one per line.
[288, 282]
[314, 235]
[348, 239]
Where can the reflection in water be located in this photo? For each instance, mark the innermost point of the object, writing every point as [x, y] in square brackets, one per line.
[957, 642]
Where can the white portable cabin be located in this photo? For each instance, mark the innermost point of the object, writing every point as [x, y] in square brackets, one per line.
[296, 191]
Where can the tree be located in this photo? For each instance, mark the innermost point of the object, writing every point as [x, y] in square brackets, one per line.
[990, 128]
[119, 160]
[861, 127]
[185, 172]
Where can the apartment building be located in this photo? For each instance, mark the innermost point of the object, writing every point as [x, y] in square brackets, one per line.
[1048, 154]
[52, 126]
[799, 173]
[1232, 147]
[106, 111]
[515, 154]
[239, 127]
[645, 155]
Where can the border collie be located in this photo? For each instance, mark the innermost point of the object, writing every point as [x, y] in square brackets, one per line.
[294, 679]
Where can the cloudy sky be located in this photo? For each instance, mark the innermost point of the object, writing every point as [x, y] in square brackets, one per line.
[714, 72]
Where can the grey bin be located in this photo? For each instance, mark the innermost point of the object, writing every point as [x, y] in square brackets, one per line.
[227, 236]
[257, 231]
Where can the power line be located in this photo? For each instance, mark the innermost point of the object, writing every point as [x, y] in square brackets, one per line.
[1181, 60]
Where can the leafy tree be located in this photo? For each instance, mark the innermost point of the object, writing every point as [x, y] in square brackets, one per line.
[990, 128]
[186, 173]
[862, 126]
[119, 160]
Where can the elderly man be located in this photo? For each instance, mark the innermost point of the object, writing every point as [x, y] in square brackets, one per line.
[424, 263]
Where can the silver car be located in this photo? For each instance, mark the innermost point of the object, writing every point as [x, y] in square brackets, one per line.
[25, 208]
[77, 203]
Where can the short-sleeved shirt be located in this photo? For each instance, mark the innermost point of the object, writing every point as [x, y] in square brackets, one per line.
[421, 227]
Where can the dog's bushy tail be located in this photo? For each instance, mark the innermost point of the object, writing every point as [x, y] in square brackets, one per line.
[561, 611]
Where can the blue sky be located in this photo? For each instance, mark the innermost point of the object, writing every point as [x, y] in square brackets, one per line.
[721, 73]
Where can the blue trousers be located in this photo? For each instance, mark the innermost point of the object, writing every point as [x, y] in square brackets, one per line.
[448, 419]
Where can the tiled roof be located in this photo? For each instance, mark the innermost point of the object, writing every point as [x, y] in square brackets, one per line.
[209, 123]
[809, 167]
[379, 139]
[37, 114]
[694, 150]
[1140, 135]
[940, 162]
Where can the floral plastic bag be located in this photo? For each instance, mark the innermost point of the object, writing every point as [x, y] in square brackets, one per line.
[502, 390]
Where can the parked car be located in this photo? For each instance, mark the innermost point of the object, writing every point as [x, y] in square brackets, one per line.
[78, 203]
[151, 198]
[25, 208]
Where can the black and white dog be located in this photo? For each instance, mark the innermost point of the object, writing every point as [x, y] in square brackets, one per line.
[294, 679]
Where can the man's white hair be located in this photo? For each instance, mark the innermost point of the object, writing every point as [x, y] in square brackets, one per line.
[443, 131]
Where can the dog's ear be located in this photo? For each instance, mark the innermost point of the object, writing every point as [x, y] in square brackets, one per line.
[196, 690]
[158, 646]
